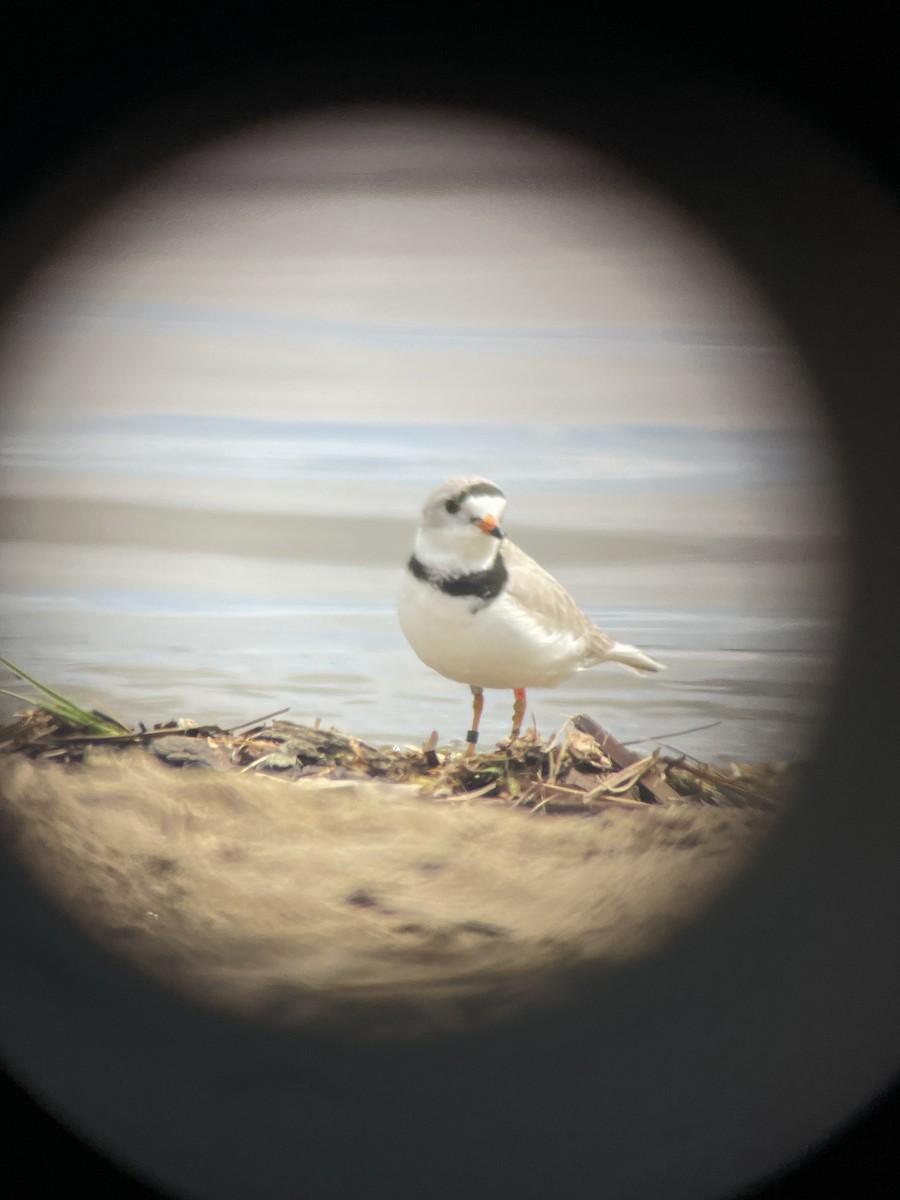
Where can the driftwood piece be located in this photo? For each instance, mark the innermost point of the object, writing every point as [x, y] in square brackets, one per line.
[651, 782]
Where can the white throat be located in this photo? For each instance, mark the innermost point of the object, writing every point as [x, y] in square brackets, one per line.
[456, 551]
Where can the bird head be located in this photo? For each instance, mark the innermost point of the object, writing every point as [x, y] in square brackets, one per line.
[461, 523]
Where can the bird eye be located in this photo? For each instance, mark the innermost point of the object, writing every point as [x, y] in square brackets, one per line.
[452, 506]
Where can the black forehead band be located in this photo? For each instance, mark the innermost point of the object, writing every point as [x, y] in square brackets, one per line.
[477, 489]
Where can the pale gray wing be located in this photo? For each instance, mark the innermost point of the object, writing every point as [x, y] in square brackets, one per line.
[548, 602]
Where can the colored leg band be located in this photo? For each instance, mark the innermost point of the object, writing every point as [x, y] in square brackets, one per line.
[472, 736]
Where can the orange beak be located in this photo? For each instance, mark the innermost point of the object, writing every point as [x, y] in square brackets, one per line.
[490, 525]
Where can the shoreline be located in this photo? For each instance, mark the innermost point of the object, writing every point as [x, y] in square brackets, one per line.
[365, 903]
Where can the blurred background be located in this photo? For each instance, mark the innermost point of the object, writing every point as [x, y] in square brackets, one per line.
[225, 401]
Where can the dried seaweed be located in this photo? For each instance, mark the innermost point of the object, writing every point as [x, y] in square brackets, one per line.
[572, 773]
[581, 769]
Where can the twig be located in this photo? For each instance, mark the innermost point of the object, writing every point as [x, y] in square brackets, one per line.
[588, 799]
[679, 733]
[720, 780]
[137, 736]
[482, 791]
[257, 720]
[554, 761]
[682, 754]
[621, 781]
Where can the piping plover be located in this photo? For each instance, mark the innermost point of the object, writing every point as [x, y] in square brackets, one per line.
[478, 610]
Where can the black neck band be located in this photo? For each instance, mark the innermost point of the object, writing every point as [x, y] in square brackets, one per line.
[482, 585]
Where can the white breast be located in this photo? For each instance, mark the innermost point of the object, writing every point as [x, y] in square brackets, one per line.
[494, 646]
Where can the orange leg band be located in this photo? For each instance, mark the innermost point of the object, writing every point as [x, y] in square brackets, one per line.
[518, 712]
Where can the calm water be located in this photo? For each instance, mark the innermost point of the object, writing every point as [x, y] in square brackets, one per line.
[152, 576]
[225, 404]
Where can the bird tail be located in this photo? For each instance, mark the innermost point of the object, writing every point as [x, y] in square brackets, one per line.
[632, 658]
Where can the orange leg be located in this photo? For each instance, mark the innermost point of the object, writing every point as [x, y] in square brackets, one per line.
[477, 706]
[518, 712]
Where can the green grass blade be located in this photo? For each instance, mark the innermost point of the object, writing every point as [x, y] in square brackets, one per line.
[16, 696]
[63, 708]
[62, 712]
[42, 687]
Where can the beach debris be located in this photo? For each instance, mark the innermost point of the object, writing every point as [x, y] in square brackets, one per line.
[581, 769]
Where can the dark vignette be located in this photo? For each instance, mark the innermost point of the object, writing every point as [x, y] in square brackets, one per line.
[71, 80]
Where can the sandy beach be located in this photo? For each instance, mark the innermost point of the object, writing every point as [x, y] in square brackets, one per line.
[357, 907]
